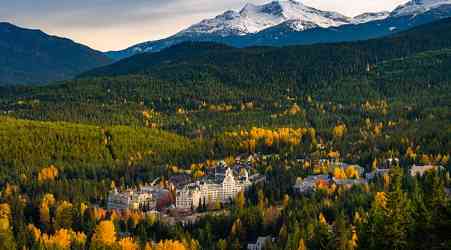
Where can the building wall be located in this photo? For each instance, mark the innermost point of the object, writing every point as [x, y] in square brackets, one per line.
[211, 192]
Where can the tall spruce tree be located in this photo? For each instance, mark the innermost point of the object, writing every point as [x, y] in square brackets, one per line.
[397, 217]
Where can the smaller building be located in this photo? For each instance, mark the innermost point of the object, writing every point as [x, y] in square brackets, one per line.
[260, 243]
[310, 183]
[348, 183]
[417, 170]
[145, 199]
[130, 200]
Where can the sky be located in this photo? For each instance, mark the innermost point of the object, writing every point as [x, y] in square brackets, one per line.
[117, 24]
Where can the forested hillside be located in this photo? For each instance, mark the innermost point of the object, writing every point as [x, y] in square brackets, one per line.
[298, 66]
[33, 57]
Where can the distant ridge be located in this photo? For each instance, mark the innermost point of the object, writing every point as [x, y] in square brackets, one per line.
[33, 57]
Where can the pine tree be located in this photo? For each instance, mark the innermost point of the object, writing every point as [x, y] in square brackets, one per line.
[342, 233]
[397, 218]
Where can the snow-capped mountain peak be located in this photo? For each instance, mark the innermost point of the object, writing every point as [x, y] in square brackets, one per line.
[254, 18]
[416, 7]
[370, 16]
[284, 22]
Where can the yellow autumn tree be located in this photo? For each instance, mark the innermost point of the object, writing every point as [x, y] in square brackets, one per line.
[339, 131]
[5, 211]
[48, 174]
[170, 245]
[148, 246]
[354, 240]
[44, 210]
[334, 154]
[339, 173]
[352, 172]
[79, 240]
[294, 109]
[302, 245]
[322, 219]
[127, 243]
[105, 234]
[60, 240]
[380, 200]
[34, 232]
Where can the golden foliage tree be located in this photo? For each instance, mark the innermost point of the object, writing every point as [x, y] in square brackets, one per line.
[105, 234]
[5, 211]
[322, 219]
[35, 232]
[60, 240]
[79, 240]
[339, 131]
[302, 245]
[48, 174]
[148, 246]
[127, 243]
[339, 173]
[352, 172]
[44, 210]
[170, 245]
[380, 200]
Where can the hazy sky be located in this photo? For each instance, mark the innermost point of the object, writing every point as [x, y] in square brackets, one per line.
[117, 24]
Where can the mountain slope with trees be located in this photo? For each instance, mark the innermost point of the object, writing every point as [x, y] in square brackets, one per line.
[298, 66]
[33, 57]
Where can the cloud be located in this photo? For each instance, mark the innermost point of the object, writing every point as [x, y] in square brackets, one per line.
[116, 24]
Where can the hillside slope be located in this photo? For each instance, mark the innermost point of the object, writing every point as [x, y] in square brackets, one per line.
[33, 57]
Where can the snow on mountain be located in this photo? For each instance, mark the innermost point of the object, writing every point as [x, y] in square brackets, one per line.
[370, 16]
[416, 7]
[254, 18]
[291, 22]
[300, 25]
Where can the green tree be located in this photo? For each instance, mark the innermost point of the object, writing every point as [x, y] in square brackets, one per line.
[397, 218]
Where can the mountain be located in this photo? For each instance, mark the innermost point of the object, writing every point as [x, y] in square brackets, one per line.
[418, 7]
[188, 61]
[370, 16]
[33, 57]
[282, 23]
[231, 26]
[253, 18]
